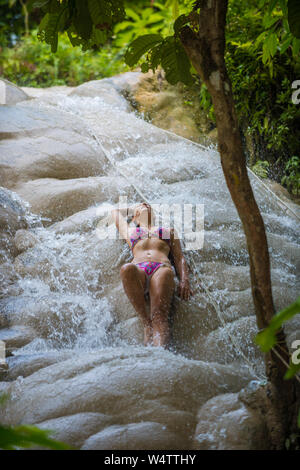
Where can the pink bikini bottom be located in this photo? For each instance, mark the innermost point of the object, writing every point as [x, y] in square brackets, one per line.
[149, 268]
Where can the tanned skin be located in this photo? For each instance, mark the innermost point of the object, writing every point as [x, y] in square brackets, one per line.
[162, 284]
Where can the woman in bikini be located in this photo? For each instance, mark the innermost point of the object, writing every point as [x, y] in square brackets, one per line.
[150, 272]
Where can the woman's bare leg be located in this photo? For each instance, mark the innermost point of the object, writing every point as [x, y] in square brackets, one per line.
[134, 281]
[161, 290]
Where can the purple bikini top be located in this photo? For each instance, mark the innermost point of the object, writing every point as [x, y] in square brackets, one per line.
[140, 233]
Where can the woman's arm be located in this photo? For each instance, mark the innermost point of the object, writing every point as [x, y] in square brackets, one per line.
[181, 266]
[121, 223]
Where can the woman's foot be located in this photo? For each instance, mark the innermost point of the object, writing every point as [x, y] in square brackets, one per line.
[148, 332]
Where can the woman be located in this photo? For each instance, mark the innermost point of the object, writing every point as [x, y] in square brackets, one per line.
[151, 272]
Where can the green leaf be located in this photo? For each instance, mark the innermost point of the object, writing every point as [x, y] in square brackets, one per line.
[292, 371]
[269, 21]
[156, 56]
[179, 23]
[266, 339]
[144, 67]
[294, 17]
[132, 14]
[140, 46]
[26, 436]
[40, 4]
[272, 5]
[99, 11]
[43, 24]
[175, 62]
[82, 20]
[54, 6]
[51, 31]
[296, 47]
[286, 44]
[272, 41]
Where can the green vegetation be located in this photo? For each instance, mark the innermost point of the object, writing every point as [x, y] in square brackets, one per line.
[31, 63]
[263, 61]
[261, 168]
[291, 179]
[267, 340]
[23, 437]
[26, 436]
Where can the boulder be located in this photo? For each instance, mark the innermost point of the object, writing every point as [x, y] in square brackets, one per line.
[44, 143]
[17, 337]
[167, 107]
[10, 93]
[102, 89]
[56, 199]
[124, 387]
[12, 218]
[123, 437]
[225, 423]
[24, 239]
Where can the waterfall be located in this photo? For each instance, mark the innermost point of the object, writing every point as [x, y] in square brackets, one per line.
[65, 301]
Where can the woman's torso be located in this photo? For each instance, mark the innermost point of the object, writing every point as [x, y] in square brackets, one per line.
[150, 245]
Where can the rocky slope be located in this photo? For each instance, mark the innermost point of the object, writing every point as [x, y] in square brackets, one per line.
[76, 363]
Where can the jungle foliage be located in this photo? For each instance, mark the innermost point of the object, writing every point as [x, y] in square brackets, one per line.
[27, 436]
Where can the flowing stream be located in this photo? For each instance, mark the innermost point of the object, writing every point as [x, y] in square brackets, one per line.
[65, 308]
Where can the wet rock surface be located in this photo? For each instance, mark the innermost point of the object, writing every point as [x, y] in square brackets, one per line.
[76, 360]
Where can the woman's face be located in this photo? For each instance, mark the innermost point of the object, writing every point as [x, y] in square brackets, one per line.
[141, 209]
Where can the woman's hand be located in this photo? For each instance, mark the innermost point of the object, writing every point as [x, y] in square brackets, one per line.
[184, 290]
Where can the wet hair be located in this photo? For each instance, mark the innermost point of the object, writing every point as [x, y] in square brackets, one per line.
[151, 210]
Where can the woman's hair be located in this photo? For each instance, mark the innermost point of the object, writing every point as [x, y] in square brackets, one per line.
[152, 212]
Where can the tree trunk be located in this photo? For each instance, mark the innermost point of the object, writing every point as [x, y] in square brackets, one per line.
[205, 48]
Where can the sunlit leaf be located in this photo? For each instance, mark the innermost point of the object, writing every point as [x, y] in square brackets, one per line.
[266, 339]
[140, 46]
[26, 436]
[175, 62]
[292, 371]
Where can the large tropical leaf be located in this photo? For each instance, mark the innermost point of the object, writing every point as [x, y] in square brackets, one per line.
[26, 436]
[175, 62]
[266, 338]
[140, 46]
[82, 20]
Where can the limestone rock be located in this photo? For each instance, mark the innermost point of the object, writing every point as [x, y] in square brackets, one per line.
[82, 221]
[17, 337]
[24, 239]
[225, 423]
[10, 93]
[136, 435]
[12, 218]
[166, 107]
[56, 199]
[44, 143]
[127, 386]
[102, 89]
[23, 365]
[42, 93]
[74, 429]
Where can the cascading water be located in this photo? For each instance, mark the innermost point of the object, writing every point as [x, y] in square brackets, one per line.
[66, 289]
